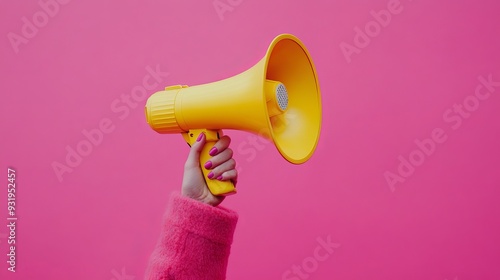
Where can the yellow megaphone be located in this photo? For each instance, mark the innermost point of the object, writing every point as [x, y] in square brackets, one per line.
[278, 98]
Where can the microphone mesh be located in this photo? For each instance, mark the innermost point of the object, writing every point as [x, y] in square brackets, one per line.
[282, 96]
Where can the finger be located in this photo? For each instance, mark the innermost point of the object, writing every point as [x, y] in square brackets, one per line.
[220, 145]
[231, 175]
[193, 159]
[219, 159]
[223, 167]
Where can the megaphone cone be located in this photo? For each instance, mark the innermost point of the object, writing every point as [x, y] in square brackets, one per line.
[278, 98]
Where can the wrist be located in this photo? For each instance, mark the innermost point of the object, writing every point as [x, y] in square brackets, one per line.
[205, 198]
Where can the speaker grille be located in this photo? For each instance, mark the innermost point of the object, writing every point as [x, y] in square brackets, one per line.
[282, 96]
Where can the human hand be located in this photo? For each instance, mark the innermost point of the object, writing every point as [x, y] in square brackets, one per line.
[221, 164]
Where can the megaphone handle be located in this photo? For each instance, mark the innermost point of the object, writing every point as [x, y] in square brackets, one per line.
[215, 186]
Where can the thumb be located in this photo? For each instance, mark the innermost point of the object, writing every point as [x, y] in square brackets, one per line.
[193, 159]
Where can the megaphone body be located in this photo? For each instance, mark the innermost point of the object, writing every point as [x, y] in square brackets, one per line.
[278, 98]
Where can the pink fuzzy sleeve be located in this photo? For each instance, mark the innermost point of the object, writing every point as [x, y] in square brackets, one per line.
[195, 241]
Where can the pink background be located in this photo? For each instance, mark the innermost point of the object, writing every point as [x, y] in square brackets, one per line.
[103, 219]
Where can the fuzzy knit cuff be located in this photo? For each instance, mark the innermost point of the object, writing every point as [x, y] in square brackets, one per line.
[214, 223]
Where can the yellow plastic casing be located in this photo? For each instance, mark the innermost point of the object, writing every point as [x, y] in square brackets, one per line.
[245, 102]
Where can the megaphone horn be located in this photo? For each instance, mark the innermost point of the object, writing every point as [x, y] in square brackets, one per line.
[278, 98]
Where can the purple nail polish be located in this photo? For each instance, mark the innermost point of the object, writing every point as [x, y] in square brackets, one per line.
[219, 178]
[199, 137]
[208, 164]
[213, 151]
[210, 175]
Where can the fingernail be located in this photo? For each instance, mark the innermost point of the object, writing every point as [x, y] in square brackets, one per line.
[213, 151]
[210, 175]
[208, 164]
[219, 178]
[199, 137]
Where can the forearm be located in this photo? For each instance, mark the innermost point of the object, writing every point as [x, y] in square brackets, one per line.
[195, 241]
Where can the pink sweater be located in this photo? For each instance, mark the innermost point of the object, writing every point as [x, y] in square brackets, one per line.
[195, 242]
